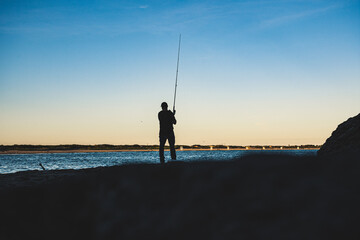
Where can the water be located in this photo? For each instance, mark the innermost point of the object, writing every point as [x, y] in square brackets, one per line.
[10, 163]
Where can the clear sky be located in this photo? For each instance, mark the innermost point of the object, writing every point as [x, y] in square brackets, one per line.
[251, 72]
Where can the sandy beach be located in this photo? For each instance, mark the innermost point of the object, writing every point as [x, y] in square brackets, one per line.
[255, 197]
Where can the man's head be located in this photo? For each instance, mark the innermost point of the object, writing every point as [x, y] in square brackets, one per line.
[164, 106]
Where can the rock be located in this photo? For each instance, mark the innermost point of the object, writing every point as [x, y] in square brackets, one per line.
[344, 141]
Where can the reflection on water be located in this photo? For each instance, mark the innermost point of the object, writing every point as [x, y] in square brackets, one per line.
[10, 163]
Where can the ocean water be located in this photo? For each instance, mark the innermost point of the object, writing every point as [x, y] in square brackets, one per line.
[10, 163]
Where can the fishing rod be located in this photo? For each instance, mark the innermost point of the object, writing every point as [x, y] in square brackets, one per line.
[177, 71]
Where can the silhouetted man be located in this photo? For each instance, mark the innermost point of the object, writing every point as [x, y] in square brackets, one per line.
[166, 119]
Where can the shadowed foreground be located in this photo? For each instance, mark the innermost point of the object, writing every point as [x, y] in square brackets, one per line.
[256, 197]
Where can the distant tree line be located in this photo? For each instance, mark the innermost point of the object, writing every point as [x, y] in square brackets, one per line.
[72, 147]
[109, 147]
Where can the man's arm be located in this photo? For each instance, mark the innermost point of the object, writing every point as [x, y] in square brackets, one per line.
[174, 119]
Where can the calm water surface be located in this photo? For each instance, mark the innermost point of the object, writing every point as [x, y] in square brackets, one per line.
[10, 163]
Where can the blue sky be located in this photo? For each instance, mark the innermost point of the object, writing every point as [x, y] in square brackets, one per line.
[251, 72]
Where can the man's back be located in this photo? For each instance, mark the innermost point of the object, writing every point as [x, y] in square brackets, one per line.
[167, 119]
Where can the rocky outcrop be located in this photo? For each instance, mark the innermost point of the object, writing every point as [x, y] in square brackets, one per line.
[344, 141]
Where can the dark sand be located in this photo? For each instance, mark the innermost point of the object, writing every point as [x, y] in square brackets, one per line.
[257, 197]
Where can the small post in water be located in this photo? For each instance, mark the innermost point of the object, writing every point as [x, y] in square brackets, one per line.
[42, 166]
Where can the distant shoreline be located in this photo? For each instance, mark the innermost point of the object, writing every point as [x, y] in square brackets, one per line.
[143, 150]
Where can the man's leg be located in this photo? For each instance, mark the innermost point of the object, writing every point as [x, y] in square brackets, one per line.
[172, 145]
[161, 148]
